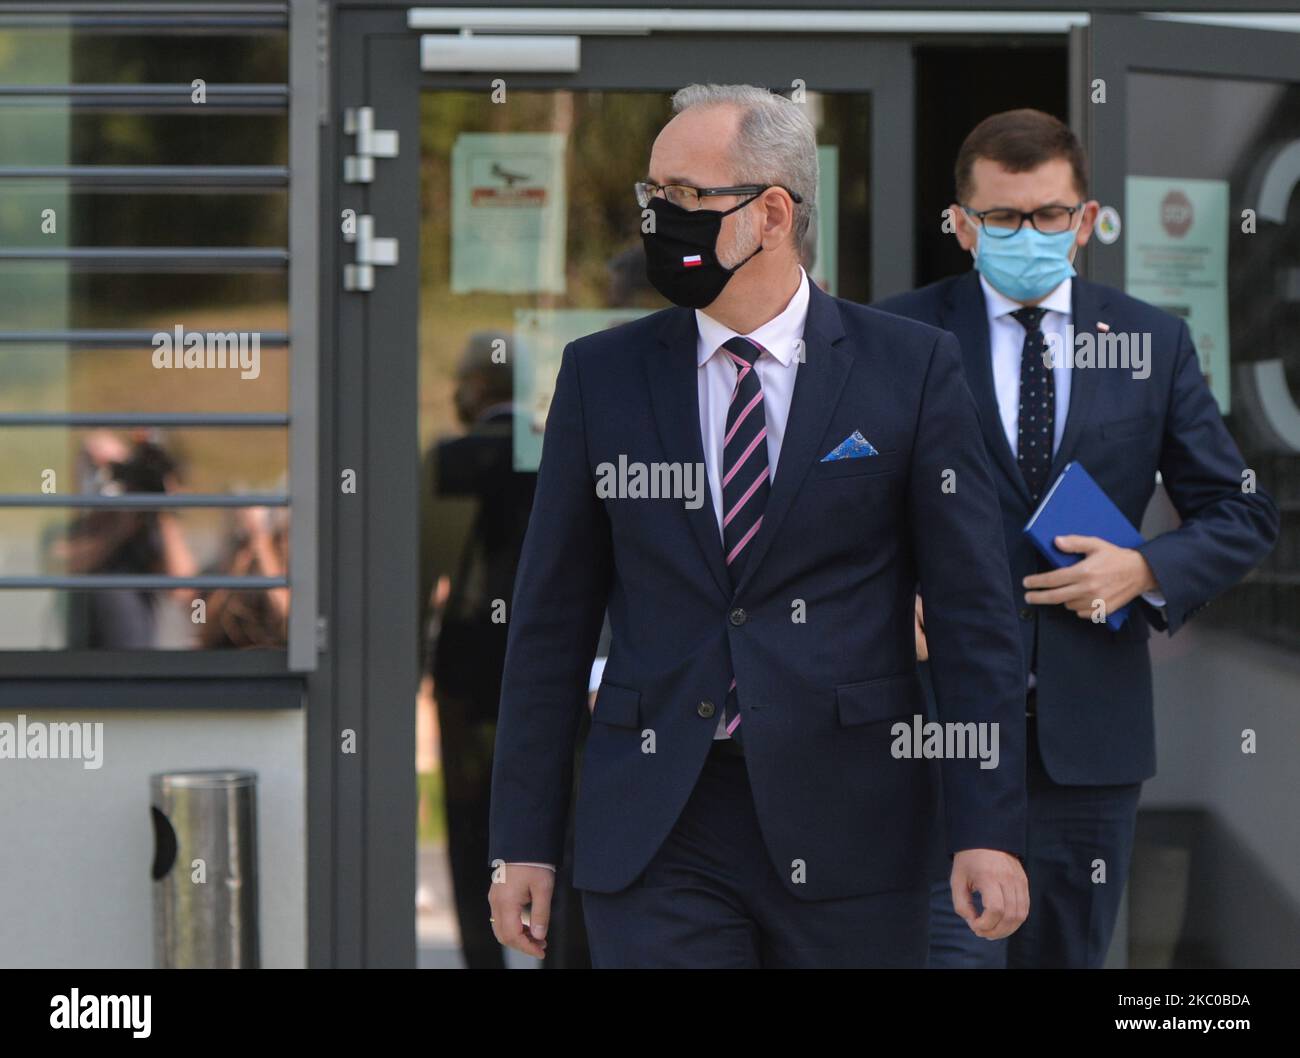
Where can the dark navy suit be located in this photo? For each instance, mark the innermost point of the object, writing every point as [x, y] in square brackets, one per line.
[1094, 720]
[844, 543]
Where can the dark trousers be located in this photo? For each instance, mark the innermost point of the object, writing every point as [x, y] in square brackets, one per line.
[711, 898]
[1071, 911]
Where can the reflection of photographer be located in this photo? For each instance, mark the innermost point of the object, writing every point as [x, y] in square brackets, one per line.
[475, 511]
[121, 542]
[259, 547]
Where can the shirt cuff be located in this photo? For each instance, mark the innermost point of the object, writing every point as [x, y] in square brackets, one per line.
[548, 866]
[1155, 599]
[597, 671]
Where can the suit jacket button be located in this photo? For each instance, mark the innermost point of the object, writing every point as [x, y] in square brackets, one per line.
[1026, 614]
[738, 617]
[705, 709]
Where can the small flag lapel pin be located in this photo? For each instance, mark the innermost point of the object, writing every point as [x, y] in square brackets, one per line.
[692, 261]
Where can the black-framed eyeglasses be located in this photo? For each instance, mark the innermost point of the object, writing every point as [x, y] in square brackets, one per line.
[688, 197]
[1002, 223]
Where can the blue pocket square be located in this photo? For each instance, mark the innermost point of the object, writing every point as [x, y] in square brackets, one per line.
[855, 446]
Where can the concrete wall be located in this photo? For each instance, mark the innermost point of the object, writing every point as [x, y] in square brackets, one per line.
[76, 845]
[1243, 810]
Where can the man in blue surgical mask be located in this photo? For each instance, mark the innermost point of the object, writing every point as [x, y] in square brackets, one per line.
[1064, 370]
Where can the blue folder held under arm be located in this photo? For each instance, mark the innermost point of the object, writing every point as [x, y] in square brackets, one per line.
[1076, 505]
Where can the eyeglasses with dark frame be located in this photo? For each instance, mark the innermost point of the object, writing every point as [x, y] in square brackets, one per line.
[1002, 222]
[688, 197]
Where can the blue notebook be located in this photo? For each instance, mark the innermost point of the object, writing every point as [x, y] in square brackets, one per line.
[1075, 505]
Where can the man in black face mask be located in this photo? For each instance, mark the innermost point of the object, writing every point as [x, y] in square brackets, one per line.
[751, 792]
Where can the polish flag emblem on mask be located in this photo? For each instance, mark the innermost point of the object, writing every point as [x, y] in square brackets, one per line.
[692, 261]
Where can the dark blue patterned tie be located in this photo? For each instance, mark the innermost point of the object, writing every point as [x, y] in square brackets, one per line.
[1037, 414]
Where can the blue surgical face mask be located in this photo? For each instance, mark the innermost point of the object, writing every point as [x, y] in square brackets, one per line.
[1027, 265]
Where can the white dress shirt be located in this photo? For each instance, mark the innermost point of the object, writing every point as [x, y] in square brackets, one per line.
[781, 336]
[1007, 340]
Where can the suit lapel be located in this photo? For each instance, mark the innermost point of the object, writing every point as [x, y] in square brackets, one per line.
[1087, 303]
[966, 315]
[674, 395]
[819, 381]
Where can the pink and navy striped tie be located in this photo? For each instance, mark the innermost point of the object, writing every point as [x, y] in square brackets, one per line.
[745, 476]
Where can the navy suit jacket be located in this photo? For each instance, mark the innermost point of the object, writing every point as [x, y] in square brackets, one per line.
[818, 632]
[1095, 720]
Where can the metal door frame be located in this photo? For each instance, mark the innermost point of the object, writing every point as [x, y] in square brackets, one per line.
[361, 863]
[362, 815]
[1119, 44]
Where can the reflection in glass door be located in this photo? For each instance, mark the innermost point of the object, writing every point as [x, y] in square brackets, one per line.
[1202, 155]
[1242, 312]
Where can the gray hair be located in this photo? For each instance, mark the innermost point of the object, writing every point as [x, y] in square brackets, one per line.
[775, 144]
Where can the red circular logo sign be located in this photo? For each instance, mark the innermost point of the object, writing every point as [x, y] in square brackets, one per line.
[1176, 214]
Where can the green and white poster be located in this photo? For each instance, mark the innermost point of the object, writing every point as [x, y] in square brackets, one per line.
[508, 211]
[540, 338]
[1176, 257]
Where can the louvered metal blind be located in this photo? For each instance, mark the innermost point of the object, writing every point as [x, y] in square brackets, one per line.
[298, 101]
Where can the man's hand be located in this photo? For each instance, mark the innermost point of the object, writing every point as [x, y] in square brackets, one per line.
[1108, 574]
[1003, 888]
[522, 888]
[922, 647]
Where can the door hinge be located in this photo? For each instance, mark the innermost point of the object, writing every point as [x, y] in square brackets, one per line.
[371, 251]
[372, 143]
[322, 634]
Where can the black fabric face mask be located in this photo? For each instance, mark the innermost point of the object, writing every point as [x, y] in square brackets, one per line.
[681, 258]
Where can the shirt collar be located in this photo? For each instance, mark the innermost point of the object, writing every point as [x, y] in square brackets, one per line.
[778, 335]
[1000, 305]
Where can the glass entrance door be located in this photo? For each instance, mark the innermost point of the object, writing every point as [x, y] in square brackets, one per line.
[530, 237]
[1198, 149]
[510, 198]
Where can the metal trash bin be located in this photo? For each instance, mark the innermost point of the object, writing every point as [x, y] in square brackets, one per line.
[205, 912]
